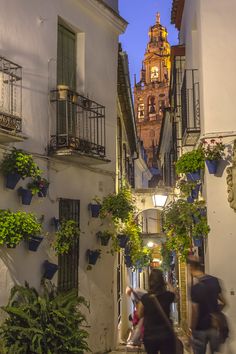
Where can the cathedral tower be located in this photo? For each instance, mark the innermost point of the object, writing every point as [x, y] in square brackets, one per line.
[151, 92]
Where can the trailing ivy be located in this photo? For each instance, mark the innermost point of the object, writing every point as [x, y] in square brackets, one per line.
[65, 236]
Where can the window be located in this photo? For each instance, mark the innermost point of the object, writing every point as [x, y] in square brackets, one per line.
[151, 105]
[140, 109]
[69, 263]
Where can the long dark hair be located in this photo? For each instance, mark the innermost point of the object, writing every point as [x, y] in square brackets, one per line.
[157, 283]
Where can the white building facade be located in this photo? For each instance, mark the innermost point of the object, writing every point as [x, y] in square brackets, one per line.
[75, 44]
[207, 31]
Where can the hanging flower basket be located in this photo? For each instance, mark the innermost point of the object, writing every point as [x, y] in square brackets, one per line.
[49, 269]
[104, 237]
[43, 192]
[12, 179]
[95, 209]
[34, 242]
[93, 256]
[212, 166]
[26, 196]
[122, 240]
[128, 261]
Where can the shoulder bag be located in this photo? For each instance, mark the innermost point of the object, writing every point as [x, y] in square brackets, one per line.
[179, 348]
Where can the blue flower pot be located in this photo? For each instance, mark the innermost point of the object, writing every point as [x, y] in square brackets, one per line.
[93, 256]
[128, 261]
[12, 179]
[212, 166]
[190, 199]
[193, 176]
[195, 191]
[95, 209]
[197, 242]
[43, 192]
[26, 196]
[49, 269]
[122, 240]
[34, 242]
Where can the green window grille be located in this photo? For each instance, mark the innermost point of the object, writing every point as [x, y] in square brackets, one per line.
[68, 275]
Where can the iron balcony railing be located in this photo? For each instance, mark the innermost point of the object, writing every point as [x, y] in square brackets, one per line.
[10, 95]
[190, 106]
[80, 123]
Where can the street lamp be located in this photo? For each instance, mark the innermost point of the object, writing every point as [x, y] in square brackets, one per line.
[159, 200]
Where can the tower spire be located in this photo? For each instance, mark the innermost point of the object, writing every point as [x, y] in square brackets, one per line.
[158, 18]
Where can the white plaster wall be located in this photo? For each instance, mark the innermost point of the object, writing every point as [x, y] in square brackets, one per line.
[28, 36]
[212, 48]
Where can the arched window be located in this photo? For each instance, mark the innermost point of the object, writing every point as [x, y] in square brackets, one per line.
[151, 105]
[140, 109]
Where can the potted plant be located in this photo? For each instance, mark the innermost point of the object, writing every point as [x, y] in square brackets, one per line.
[213, 152]
[122, 240]
[191, 163]
[104, 237]
[93, 256]
[189, 188]
[18, 164]
[65, 236]
[16, 226]
[118, 206]
[180, 226]
[32, 314]
[39, 186]
[95, 207]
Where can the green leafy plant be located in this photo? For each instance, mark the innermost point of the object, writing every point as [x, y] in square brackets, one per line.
[190, 162]
[33, 187]
[65, 236]
[118, 206]
[21, 163]
[16, 226]
[186, 187]
[47, 323]
[182, 222]
[166, 255]
[213, 150]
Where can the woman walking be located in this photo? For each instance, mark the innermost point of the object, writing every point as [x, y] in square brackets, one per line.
[158, 337]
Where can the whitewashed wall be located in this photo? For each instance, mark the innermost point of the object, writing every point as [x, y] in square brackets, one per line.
[28, 36]
[208, 31]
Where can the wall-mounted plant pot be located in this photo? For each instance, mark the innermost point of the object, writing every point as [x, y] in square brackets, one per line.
[212, 166]
[190, 199]
[122, 240]
[93, 256]
[128, 261]
[104, 239]
[56, 223]
[43, 192]
[193, 176]
[95, 209]
[195, 191]
[26, 196]
[34, 242]
[49, 269]
[195, 219]
[197, 242]
[12, 179]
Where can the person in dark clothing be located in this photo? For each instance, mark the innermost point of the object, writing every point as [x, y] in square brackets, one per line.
[157, 335]
[207, 299]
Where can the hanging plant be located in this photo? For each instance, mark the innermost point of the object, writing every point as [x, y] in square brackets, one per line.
[104, 237]
[213, 152]
[182, 222]
[190, 162]
[21, 163]
[14, 227]
[118, 206]
[65, 236]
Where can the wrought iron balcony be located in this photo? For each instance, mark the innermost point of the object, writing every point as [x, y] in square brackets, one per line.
[10, 101]
[190, 104]
[79, 127]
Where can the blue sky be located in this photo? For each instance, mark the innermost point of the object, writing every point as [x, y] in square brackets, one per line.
[141, 15]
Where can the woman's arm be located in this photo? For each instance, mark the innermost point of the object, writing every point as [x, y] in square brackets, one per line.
[140, 309]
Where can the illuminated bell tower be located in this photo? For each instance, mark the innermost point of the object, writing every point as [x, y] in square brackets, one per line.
[151, 92]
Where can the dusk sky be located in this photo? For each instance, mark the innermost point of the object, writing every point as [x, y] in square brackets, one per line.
[141, 15]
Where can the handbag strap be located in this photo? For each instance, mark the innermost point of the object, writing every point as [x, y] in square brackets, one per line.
[162, 312]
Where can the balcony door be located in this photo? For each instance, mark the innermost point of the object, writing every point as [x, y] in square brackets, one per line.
[66, 75]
